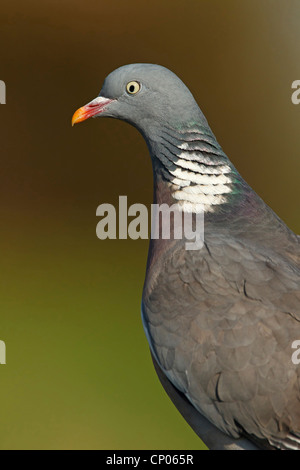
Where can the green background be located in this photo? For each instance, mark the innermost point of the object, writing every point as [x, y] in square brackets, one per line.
[78, 372]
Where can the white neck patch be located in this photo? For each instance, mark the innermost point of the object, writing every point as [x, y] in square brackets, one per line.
[193, 184]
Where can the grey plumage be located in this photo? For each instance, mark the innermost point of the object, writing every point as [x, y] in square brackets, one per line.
[221, 320]
[210, 434]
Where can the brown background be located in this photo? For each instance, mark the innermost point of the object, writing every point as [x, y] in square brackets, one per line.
[78, 371]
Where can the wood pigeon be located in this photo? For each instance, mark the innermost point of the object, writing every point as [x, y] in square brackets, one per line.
[221, 321]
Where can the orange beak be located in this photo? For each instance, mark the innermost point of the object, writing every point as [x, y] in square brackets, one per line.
[92, 109]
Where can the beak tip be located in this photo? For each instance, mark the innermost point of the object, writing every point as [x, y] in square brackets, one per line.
[78, 116]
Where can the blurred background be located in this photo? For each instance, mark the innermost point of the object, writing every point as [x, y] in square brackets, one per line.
[78, 372]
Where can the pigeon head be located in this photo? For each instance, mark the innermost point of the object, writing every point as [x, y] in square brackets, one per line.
[146, 96]
[187, 160]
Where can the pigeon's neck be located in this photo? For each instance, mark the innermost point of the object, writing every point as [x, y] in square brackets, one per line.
[191, 165]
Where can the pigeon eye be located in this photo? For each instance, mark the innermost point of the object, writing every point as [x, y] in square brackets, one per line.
[133, 87]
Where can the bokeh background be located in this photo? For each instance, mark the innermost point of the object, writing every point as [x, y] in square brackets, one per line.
[78, 372]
